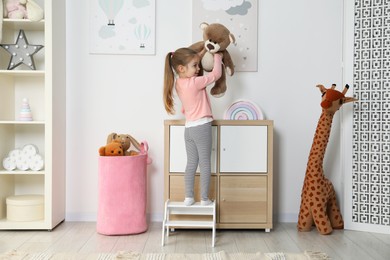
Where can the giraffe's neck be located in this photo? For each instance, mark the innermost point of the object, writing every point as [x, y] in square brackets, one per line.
[320, 140]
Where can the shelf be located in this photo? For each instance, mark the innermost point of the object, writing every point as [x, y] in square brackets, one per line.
[25, 73]
[22, 172]
[24, 24]
[21, 225]
[22, 122]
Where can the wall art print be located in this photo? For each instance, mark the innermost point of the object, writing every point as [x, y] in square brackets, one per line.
[240, 17]
[122, 27]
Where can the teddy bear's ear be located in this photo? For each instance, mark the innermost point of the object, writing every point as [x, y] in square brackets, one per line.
[111, 137]
[203, 26]
[102, 151]
[232, 38]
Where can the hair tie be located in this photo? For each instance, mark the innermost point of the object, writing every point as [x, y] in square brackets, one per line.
[172, 52]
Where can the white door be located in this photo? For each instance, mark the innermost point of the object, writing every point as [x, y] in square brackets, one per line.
[178, 156]
[366, 132]
[243, 149]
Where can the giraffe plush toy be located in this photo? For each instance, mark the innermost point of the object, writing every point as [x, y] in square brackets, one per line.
[318, 199]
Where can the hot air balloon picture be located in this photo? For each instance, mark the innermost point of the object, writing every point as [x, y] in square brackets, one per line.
[122, 27]
[111, 8]
[142, 33]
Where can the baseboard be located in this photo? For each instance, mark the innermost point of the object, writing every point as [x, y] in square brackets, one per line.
[158, 217]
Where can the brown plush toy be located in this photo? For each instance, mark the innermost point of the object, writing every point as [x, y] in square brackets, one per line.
[216, 38]
[114, 148]
[318, 199]
[126, 141]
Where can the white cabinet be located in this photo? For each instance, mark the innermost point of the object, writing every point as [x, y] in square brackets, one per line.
[242, 171]
[45, 90]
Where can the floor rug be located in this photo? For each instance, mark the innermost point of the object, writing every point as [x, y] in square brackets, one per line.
[222, 255]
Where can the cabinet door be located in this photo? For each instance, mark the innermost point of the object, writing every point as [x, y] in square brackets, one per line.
[243, 149]
[243, 199]
[178, 156]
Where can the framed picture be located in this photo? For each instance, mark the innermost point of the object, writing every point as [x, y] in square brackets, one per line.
[122, 27]
[240, 17]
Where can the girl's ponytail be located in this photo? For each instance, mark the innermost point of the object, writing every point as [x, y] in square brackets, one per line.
[169, 81]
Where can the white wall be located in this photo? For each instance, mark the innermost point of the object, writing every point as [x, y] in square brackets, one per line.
[300, 45]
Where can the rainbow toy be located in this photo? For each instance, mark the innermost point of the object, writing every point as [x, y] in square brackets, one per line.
[243, 110]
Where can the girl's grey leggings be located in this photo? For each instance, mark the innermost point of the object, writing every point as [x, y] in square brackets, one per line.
[198, 140]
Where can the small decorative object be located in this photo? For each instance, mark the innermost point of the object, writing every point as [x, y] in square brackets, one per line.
[243, 110]
[25, 112]
[318, 199]
[23, 159]
[216, 38]
[23, 9]
[15, 9]
[21, 52]
[25, 207]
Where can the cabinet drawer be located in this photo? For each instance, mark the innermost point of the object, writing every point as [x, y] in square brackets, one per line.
[243, 199]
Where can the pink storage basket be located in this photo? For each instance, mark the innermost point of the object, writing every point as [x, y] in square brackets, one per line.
[122, 194]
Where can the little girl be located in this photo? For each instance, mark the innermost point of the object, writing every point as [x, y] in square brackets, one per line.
[196, 107]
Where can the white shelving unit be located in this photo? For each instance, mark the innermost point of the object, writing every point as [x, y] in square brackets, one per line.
[45, 88]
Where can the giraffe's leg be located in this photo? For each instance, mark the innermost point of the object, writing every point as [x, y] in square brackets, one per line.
[334, 213]
[305, 219]
[321, 219]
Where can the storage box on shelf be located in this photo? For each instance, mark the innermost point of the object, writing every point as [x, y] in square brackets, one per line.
[242, 171]
[45, 90]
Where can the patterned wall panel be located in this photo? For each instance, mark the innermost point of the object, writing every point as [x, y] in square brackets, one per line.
[371, 116]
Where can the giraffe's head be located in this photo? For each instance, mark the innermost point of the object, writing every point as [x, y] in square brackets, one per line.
[332, 99]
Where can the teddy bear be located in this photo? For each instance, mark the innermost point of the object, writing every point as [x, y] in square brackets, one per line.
[21, 9]
[126, 140]
[113, 148]
[216, 38]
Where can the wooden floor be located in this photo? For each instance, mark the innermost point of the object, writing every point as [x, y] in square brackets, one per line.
[82, 237]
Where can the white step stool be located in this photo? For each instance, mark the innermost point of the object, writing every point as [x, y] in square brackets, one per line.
[179, 208]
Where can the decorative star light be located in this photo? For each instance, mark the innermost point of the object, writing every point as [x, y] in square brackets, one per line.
[21, 52]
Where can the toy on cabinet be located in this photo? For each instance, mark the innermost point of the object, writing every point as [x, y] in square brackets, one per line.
[25, 112]
[216, 38]
[318, 199]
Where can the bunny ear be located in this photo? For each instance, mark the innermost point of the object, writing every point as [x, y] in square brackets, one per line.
[135, 143]
[111, 137]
